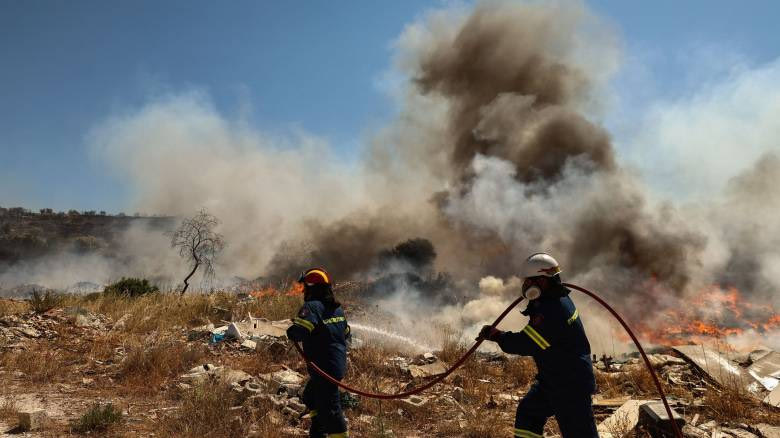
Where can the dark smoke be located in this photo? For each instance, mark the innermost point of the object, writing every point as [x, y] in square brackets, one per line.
[513, 94]
[509, 97]
[414, 255]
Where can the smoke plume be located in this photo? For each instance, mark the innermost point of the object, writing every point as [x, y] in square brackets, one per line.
[498, 152]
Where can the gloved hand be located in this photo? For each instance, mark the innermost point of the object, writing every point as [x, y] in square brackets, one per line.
[490, 333]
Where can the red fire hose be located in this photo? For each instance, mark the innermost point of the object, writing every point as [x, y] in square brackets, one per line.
[476, 345]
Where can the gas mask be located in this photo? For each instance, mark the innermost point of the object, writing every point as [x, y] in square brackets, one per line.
[532, 293]
[531, 290]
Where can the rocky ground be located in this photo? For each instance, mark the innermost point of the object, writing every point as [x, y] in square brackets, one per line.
[220, 366]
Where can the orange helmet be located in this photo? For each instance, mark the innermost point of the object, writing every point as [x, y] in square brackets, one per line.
[314, 276]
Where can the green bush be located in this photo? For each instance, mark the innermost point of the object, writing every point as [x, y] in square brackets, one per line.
[45, 301]
[97, 418]
[131, 287]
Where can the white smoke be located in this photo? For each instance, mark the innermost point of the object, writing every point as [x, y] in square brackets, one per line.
[179, 155]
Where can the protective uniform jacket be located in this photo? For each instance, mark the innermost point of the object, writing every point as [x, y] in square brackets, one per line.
[555, 338]
[324, 332]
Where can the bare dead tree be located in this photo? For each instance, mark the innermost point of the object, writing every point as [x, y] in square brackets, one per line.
[198, 243]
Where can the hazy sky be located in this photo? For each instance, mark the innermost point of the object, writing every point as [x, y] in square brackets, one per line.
[65, 66]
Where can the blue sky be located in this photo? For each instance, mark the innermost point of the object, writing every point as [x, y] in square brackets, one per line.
[66, 66]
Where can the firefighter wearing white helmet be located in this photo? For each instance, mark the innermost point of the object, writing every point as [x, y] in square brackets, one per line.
[555, 338]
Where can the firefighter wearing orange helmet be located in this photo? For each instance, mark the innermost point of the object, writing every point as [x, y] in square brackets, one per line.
[322, 328]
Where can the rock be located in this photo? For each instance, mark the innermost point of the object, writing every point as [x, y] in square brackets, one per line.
[121, 323]
[427, 370]
[694, 432]
[625, 417]
[458, 394]
[222, 314]
[276, 349]
[661, 360]
[249, 345]
[29, 332]
[201, 373]
[508, 398]
[653, 418]
[82, 321]
[32, 420]
[709, 425]
[755, 355]
[415, 400]
[768, 431]
[200, 332]
[286, 379]
[233, 332]
[253, 388]
[399, 362]
[365, 419]
[230, 376]
[296, 405]
[739, 433]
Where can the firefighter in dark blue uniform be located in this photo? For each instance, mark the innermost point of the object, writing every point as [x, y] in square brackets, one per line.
[555, 338]
[324, 332]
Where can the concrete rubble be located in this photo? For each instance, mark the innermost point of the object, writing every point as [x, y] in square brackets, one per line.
[759, 379]
[32, 420]
[15, 330]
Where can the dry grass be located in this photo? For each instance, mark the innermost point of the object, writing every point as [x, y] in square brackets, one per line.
[634, 380]
[205, 411]
[165, 311]
[9, 410]
[13, 307]
[487, 424]
[146, 367]
[521, 369]
[733, 404]
[38, 365]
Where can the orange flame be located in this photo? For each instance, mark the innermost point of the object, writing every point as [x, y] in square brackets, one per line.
[713, 313]
[295, 289]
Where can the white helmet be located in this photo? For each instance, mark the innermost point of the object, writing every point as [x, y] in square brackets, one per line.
[540, 264]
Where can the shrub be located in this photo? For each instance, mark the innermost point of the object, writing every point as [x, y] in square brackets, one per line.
[97, 418]
[45, 301]
[132, 287]
[85, 244]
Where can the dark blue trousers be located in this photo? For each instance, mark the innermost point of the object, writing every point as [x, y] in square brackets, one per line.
[323, 399]
[573, 411]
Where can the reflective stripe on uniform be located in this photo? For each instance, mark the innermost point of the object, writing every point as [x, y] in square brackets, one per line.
[573, 317]
[338, 435]
[334, 320]
[303, 323]
[526, 433]
[312, 413]
[536, 337]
